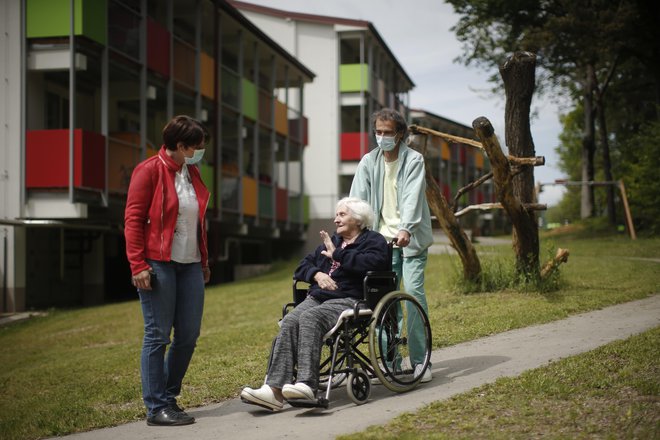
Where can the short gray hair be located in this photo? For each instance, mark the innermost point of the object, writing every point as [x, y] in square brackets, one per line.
[388, 114]
[358, 209]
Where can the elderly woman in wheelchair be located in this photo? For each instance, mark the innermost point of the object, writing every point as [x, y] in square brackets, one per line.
[337, 309]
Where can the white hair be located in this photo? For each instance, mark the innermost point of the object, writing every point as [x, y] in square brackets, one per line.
[358, 209]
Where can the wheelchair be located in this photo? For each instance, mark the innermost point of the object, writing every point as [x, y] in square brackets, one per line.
[369, 343]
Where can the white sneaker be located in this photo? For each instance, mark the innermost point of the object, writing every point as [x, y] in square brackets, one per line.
[298, 391]
[263, 397]
[426, 377]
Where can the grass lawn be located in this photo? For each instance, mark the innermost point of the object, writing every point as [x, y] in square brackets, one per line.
[75, 370]
[612, 392]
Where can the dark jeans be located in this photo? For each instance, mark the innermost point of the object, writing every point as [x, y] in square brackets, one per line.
[176, 301]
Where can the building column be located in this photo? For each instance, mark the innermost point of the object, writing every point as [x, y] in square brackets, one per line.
[12, 155]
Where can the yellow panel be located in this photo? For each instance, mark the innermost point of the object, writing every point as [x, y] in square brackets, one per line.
[446, 152]
[281, 122]
[249, 196]
[207, 86]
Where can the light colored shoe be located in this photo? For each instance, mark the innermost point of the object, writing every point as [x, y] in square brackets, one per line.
[263, 397]
[427, 376]
[298, 391]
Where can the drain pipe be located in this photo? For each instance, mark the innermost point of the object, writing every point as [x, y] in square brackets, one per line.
[4, 271]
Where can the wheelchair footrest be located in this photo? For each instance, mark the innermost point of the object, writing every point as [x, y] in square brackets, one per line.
[321, 402]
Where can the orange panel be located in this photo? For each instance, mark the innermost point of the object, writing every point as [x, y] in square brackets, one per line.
[249, 196]
[123, 155]
[446, 152]
[281, 121]
[479, 160]
[207, 74]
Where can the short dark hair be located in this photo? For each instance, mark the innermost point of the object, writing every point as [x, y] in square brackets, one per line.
[388, 114]
[184, 129]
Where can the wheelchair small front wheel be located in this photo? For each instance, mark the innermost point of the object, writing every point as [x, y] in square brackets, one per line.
[399, 340]
[358, 387]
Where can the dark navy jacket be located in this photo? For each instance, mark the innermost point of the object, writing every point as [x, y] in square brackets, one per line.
[368, 252]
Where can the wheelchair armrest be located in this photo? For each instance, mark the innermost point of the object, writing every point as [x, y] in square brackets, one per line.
[286, 307]
[356, 307]
[380, 274]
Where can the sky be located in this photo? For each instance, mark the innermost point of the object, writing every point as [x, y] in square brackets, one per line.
[418, 34]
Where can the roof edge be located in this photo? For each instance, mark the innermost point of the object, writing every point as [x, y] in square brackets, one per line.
[227, 6]
[323, 19]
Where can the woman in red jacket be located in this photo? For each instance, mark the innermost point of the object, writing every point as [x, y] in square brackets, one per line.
[166, 248]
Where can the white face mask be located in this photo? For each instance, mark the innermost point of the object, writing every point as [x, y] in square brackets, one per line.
[197, 156]
[386, 143]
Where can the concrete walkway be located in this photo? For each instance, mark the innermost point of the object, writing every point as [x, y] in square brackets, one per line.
[455, 369]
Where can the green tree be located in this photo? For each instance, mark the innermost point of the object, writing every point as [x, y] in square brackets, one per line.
[579, 44]
[639, 165]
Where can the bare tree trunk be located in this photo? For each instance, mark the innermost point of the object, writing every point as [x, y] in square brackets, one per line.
[524, 224]
[448, 221]
[588, 147]
[607, 164]
[449, 224]
[518, 73]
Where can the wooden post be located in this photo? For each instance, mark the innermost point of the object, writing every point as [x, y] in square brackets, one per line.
[626, 208]
[523, 220]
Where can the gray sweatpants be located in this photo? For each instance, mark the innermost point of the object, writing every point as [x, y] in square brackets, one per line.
[299, 341]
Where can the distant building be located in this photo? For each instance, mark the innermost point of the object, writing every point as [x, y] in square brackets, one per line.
[84, 101]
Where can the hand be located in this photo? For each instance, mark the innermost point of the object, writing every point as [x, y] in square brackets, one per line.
[402, 239]
[207, 274]
[329, 246]
[324, 281]
[143, 279]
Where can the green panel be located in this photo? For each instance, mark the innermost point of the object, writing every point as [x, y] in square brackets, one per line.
[265, 201]
[50, 18]
[206, 172]
[295, 206]
[94, 20]
[349, 78]
[250, 99]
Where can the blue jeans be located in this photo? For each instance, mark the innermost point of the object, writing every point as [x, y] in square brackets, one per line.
[411, 271]
[176, 301]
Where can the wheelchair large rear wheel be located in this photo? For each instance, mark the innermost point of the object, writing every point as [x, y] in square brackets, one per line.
[393, 354]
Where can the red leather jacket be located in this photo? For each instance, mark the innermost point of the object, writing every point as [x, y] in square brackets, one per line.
[152, 208]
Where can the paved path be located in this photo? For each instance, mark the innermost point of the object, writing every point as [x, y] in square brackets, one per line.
[456, 369]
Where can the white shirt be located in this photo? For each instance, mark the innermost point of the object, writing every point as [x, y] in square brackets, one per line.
[185, 248]
[390, 219]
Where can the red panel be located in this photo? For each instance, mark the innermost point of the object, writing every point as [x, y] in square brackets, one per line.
[93, 159]
[293, 130]
[446, 191]
[47, 157]
[462, 153]
[480, 197]
[281, 204]
[350, 145]
[158, 48]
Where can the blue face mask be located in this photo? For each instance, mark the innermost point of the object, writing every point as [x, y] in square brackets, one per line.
[197, 156]
[386, 143]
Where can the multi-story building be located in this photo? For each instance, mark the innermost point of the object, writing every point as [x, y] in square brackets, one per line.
[87, 87]
[357, 74]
